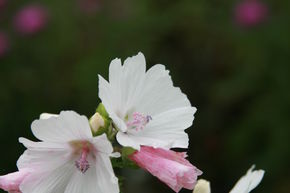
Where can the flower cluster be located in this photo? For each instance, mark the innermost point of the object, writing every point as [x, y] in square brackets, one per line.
[141, 110]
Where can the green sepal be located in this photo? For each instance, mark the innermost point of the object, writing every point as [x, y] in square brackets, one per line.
[102, 110]
[126, 152]
[124, 161]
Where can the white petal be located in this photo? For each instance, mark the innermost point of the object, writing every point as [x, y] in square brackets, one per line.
[42, 145]
[126, 84]
[47, 115]
[99, 178]
[106, 179]
[85, 183]
[133, 78]
[159, 94]
[114, 70]
[66, 127]
[44, 182]
[102, 144]
[128, 140]
[248, 182]
[43, 159]
[50, 166]
[165, 130]
[110, 102]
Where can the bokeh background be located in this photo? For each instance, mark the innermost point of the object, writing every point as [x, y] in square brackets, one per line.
[231, 58]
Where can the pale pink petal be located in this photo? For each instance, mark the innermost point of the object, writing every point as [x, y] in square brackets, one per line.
[12, 181]
[168, 166]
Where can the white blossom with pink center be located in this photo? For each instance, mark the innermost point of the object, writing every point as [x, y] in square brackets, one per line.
[68, 159]
[145, 106]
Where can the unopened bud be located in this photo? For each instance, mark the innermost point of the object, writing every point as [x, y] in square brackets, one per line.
[97, 122]
[202, 186]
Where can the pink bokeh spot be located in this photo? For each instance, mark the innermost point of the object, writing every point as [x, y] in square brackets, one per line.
[4, 44]
[250, 13]
[31, 19]
[168, 166]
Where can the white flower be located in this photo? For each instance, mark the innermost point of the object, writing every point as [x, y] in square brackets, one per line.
[248, 182]
[145, 106]
[68, 159]
[245, 185]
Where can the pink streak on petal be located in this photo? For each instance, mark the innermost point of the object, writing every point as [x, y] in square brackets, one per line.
[30, 19]
[250, 13]
[168, 166]
[11, 182]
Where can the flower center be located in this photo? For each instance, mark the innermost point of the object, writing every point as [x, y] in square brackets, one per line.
[139, 121]
[82, 163]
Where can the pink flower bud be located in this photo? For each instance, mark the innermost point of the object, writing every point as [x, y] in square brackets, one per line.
[250, 13]
[168, 166]
[4, 44]
[12, 181]
[30, 19]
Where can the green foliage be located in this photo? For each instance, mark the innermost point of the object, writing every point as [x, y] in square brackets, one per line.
[124, 161]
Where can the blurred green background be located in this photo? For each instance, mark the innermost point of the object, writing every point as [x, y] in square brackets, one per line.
[236, 75]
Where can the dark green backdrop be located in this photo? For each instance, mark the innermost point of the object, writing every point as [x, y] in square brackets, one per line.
[238, 78]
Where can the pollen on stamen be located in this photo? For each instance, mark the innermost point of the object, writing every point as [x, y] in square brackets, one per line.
[82, 163]
[139, 121]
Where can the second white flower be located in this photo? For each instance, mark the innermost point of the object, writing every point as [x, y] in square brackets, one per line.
[145, 106]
